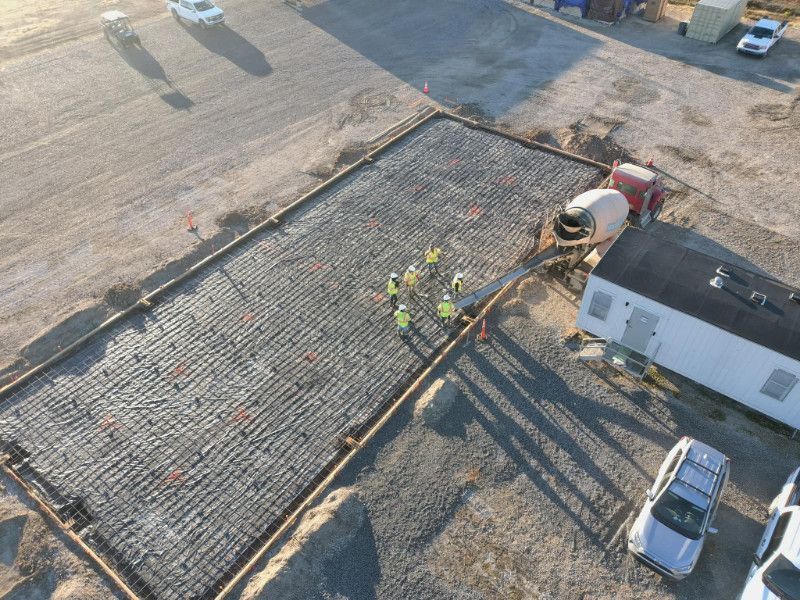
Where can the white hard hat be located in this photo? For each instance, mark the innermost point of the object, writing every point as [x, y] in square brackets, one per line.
[446, 297]
[393, 276]
[459, 276]
[402, 308]
[411, 269]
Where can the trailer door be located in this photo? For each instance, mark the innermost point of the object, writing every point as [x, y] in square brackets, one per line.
[640, 328]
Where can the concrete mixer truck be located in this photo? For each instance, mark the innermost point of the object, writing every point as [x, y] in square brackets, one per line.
[590, 223]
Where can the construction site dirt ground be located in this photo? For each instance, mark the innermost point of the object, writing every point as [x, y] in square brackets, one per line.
[96, 185]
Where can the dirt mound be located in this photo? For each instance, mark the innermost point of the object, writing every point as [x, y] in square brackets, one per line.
[436, 401]
[324, 532]
[543, 136]
[121, 295]
[243, 219]
[577, 140]
[603, 150]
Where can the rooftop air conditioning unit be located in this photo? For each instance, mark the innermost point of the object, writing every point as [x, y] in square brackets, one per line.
[717, 282]
[759, 298]
[724, 271]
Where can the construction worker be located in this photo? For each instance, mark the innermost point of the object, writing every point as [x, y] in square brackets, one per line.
[445, 310]
[403, 319]
[410, 278]
[458, 282]
[392, 288]
[432, 259]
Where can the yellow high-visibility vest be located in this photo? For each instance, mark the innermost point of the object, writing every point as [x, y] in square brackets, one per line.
[432, 256]
[445, 309]
[403, 318]
[391, 287]
[410, 279]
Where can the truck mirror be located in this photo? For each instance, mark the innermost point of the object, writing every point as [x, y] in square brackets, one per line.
[713, 530]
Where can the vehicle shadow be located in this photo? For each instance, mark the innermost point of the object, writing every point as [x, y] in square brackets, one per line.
[229, 44]
[470, 52]
[140, 60]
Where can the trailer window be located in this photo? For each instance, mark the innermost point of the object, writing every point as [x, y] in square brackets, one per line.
[600, 305]
[779, 384]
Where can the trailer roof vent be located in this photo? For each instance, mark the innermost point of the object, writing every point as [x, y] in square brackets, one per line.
[795, 296]
[724, 271]
[759, 298]
[717, 282]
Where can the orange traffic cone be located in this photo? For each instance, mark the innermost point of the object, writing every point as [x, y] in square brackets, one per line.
[483, 336]
[649, 162]
[425, 88]
[190, 226]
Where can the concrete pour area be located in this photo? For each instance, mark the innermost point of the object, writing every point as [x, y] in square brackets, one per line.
[174, 439]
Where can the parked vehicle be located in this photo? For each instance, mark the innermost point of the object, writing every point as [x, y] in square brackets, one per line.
[761, 37]
[775, 572]
[669, 533]
[643, 189]
[117, 28]
[198, 12]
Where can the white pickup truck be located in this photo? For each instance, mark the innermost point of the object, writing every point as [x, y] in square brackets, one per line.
[761, 37]
[199, 12]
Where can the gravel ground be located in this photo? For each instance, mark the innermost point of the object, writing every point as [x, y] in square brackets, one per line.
[524, 489]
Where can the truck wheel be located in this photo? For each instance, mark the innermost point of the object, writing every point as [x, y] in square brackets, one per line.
[656, 212]
[202, 24]
[175, 15]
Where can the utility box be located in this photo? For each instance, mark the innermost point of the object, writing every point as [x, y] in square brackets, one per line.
[654, 10]
[712, 19]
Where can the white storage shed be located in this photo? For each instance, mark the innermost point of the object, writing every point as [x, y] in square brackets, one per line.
[732, 330]
[712, 19]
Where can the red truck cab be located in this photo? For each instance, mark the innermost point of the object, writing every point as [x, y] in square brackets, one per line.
[643, 189]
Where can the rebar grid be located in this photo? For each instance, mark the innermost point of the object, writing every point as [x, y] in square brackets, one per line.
[175, 441]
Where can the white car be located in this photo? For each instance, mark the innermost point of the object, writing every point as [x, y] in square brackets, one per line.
[775, 572]
[199, 12]
[669, 533]
[761, 37]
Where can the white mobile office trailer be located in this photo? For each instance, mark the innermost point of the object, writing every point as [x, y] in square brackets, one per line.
[730, 329]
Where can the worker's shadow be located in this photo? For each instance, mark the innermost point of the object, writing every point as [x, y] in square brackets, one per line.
[229, 44]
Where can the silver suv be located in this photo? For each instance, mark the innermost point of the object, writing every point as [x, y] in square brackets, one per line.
[668, 534]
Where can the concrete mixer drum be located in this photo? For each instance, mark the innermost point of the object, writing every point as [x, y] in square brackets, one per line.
[591, 218]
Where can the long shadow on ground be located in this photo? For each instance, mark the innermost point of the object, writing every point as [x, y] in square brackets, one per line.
[140, 60]
[485, 52]
[224, 41]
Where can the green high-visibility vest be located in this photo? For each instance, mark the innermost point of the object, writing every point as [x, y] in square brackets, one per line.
[403, 318]
[391, 287]
[445, 309]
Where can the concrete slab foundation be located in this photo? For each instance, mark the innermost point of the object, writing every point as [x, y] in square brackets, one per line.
[173, 441]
